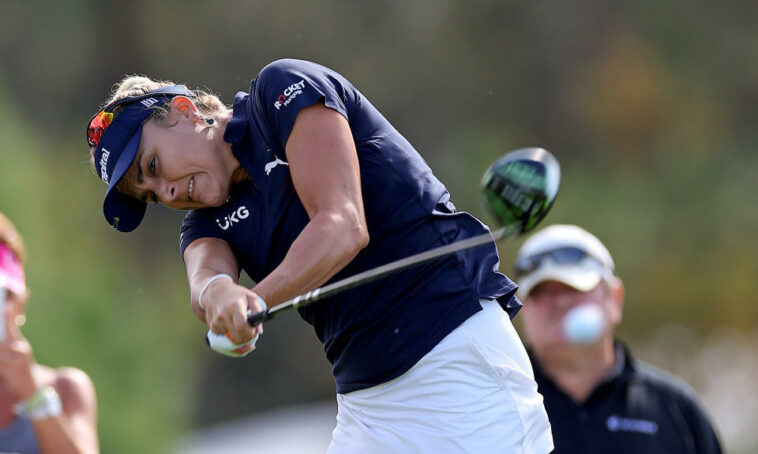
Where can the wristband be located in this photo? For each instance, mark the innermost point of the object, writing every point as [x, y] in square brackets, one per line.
[205, 287]
[45, 403]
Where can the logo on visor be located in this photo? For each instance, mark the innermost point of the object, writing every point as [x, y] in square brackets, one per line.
[233, 218]
[148, 102]
[289, 94]
[104, 165]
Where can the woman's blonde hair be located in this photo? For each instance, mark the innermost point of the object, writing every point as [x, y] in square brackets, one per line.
[208, 104]
[10, 237]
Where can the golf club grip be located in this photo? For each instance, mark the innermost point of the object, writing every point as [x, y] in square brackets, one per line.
[374, 274]
[258, 317]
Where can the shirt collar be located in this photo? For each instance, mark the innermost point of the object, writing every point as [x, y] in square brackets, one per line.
[623, 365]
[237, 126]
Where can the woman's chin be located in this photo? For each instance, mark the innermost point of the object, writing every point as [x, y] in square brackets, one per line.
[210, 198]
[219, 200]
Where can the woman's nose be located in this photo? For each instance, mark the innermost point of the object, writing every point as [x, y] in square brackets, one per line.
[169, 191]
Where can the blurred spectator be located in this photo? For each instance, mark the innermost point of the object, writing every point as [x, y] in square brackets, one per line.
[42, 410]
[599, 398]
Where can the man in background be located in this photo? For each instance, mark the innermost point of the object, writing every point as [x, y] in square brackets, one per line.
[598, 397]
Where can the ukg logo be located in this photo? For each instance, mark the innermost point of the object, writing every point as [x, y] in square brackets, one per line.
[233, 218]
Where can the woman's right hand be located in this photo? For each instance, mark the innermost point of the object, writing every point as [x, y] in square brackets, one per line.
[224, 303]
[226, 306]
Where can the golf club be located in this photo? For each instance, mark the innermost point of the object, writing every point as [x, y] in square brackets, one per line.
[518, 189]
[374, 274]
[215, 340]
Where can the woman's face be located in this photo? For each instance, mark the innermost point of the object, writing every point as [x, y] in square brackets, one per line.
[181, 163]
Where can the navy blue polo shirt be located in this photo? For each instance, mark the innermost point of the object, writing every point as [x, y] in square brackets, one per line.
[375, 332]
[637, 409]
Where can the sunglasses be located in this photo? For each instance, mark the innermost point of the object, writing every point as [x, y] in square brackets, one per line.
[561, 256]
[99, 122]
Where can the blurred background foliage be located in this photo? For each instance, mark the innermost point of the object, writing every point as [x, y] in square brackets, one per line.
[650, 106]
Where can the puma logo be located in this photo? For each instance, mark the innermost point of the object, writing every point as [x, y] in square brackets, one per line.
[270, 166]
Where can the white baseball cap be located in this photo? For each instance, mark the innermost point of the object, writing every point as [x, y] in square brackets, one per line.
[566, 254]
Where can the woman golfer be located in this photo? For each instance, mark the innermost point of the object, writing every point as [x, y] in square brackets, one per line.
[43, 410]
[301, 182]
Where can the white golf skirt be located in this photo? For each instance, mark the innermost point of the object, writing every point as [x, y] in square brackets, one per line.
[473, 393]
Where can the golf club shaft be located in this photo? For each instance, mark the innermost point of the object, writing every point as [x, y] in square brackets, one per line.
[373, 274]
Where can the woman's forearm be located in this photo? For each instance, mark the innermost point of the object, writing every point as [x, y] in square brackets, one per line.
[326, 245]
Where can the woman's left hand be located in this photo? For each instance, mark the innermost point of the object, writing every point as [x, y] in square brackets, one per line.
[16, 359]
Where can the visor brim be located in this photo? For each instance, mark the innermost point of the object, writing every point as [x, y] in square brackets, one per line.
[122, 212]
[582, 277]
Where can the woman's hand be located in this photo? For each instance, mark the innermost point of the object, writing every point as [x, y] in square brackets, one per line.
[226, 307]
[225, 303]
[16, 359]
[72, 431]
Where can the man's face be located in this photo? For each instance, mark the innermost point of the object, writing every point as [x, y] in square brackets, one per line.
[548, 302]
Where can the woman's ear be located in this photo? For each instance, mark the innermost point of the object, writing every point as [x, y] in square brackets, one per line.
[184, 106]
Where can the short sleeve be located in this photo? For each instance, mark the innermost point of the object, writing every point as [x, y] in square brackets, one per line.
[197, 224]
[286, 86]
